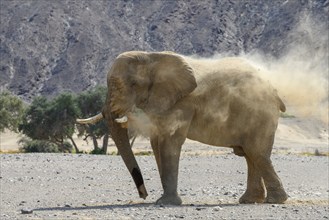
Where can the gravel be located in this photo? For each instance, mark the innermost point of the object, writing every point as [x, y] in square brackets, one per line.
[72, 186]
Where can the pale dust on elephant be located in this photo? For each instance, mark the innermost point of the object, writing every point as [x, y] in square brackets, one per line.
[169, 97]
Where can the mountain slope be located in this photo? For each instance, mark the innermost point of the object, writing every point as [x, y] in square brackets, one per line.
[52, 46]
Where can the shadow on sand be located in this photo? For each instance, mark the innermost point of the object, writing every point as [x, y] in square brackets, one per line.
[124, 206]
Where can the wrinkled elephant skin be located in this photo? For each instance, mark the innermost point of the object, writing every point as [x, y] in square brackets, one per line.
[170, 97]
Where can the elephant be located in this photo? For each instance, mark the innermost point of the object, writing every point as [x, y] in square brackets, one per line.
[171, 97]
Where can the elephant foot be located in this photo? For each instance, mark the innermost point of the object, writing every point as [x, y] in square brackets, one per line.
[248, 198]
[278, 196]
[169, 200]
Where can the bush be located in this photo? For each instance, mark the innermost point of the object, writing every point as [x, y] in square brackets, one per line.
[51, 120]
[11, 111]
[286, 115]
[42, 146]
[97, 151]
[66, 147]
[33, 146]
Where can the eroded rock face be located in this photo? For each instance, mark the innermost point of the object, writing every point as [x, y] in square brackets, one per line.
[52, 46]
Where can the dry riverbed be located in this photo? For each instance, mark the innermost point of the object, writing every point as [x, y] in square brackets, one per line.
[211, 180]
[71, 186]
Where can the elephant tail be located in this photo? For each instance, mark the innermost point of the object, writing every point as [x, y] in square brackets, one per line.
[282, 106]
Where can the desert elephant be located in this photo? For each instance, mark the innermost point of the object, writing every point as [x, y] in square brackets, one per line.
[169, 97]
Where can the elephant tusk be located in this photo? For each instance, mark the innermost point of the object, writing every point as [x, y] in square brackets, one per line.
[122, 120]
[91, 120]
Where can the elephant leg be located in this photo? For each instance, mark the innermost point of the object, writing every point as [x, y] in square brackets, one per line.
[259, 155]
[169, 149]
[156, 151]
[255, 192]
[275, 191]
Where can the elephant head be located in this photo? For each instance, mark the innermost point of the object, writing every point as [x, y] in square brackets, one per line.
[152, 82]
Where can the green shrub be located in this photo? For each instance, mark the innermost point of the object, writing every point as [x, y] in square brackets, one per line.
[286, 115]
[42, 146]
[32, 146]
[66, 147]
[11, 111]
[97, 151]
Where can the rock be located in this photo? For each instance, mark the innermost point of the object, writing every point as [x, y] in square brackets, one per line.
[22, 203]
[26, 211]
[200, 208]
[217, 208]
[71, 45]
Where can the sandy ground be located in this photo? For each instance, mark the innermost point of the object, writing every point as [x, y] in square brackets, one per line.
[82, 186]
[71, 186]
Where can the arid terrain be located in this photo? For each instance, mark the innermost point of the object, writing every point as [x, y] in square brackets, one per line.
[83, 186]
[50, 47]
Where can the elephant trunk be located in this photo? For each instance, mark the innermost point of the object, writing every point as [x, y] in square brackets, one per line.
[121, 140]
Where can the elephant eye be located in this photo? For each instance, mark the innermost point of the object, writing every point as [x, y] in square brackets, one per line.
[133, 83]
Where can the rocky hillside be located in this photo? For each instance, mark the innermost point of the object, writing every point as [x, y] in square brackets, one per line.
[67, 45]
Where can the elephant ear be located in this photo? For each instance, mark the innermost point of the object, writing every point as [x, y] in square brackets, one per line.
[171, 79]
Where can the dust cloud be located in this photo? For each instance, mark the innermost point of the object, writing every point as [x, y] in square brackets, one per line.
[301, 74]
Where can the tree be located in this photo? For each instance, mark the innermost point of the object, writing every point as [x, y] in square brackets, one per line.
[63, 113]
[11, 111]
[90, 103]
[35, 122]
[52, 121]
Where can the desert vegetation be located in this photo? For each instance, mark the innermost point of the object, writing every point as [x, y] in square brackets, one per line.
[51, 47]
[48, 124]
[11, 111]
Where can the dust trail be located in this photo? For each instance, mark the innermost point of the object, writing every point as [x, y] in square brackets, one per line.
[301, 74]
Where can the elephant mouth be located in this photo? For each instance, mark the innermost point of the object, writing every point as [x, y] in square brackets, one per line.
[123, 117]
[119, 114]
[121, 120]
[131, 115]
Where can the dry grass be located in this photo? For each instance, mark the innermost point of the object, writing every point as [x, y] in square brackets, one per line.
[316, 153]
[10, 152]
[320, 202]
